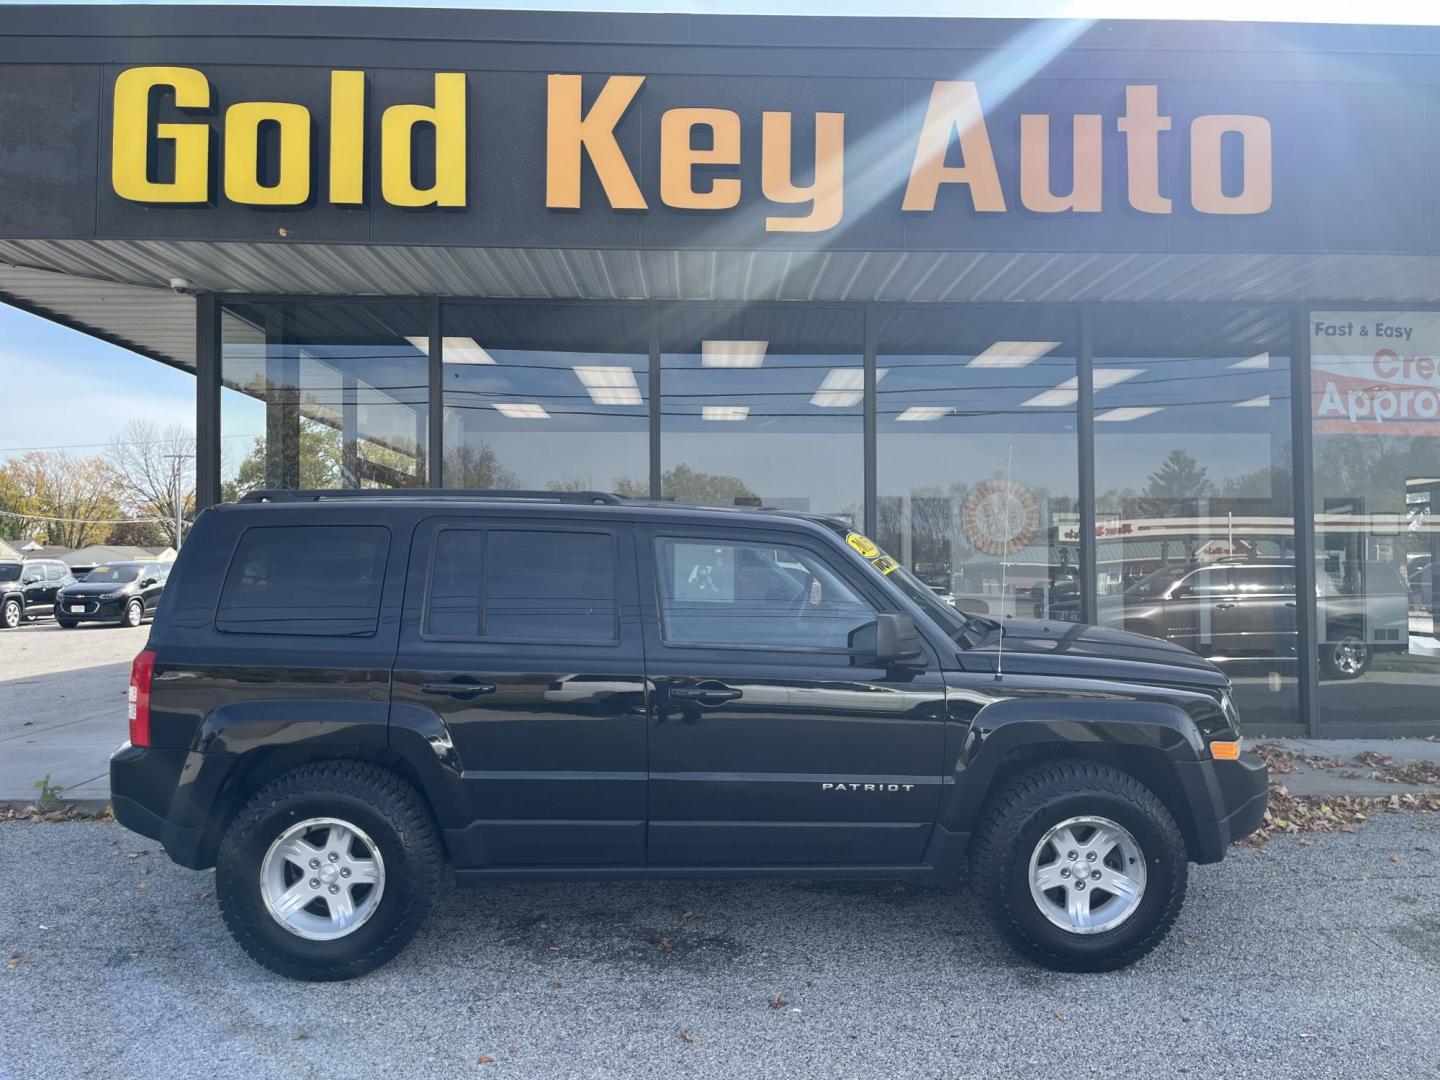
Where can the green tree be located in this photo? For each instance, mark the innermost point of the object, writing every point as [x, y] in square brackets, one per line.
[1180, 476]
[687, 485]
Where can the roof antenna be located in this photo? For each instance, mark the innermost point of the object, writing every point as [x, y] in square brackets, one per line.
[1005, 562]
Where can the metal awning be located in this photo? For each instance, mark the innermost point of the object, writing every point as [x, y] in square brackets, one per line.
[119, 289]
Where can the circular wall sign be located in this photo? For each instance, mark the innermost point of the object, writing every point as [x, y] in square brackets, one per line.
[1000, 517]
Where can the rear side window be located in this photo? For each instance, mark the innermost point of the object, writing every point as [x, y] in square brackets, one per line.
[322, 580]
[523, 585]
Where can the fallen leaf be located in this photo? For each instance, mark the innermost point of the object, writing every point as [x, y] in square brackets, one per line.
[687, 915]
[691, 1039]
[1396, 858]
[144, 886]
[301, 1033]
[554, 986]
[778, 1002]
[15, 961]
[512, 1048]
[1059, 1015]
[484, 1059]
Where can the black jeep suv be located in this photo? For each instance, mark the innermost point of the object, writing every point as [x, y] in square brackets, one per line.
[343, 692]
[28, 588]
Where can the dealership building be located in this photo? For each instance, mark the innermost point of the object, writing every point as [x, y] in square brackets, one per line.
[1129, 322]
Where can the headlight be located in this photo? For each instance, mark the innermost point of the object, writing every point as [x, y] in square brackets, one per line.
[112, 595]
[1232, 714]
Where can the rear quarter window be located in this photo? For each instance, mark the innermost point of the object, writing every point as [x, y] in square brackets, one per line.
[317, 580]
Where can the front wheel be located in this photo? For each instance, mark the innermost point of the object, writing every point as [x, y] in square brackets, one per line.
[66, 624]
[134, 612]
[328, 871]
[1347, 658]
[11, 615]
[1080, 866]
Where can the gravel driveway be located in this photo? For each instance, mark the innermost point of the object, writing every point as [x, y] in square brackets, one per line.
[1290, 961]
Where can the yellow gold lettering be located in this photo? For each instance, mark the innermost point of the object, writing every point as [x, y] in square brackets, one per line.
[568, 133]
[1085, 185]
[954, 107]
[1142, 125]
[826, 195]
[242, 153]
[1206, 193]
[397, 147]
[347, 138]
[678, 158]
[130, 142]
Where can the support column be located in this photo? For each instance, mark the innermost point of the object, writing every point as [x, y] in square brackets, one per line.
[282, 407]
[1085, 428]
[1307, 659]
[433, 456]
[207, 401]
[350, 428]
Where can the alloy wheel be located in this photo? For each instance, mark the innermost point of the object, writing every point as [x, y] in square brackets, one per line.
[1348, 656]
[322, 879]
[12, 614]
[1087, 875]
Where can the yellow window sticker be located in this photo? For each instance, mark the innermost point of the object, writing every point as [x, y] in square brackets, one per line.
[863, 545]
[885, 564]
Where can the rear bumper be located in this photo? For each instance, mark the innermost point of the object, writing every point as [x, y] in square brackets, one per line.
[152, 793]
[1230, 799]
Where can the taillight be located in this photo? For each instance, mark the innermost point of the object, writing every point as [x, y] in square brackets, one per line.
[142, 670]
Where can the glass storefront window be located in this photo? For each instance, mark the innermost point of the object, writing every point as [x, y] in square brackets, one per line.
[1375, 409]
[977, 465]
[1194, 507]
[322, 395]
[764, 406]
[547, 397]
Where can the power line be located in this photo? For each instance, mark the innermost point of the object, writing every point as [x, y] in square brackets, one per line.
[90, 521]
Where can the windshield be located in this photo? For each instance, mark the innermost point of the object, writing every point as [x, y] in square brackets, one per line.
[962, 629]
[9, 571]
[1152, 584]
[115, 574]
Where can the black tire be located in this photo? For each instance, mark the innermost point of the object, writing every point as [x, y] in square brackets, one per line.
[133, 615]
[1016, 820]
[66, 624]
[11, 614]
[377, 801]
[1347, 657]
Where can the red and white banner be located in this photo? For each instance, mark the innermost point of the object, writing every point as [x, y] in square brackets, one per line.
[1375, 372]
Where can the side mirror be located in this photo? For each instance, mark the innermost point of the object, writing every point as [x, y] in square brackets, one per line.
[896, 638]
[147, 583]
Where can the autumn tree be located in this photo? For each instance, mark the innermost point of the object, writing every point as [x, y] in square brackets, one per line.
[61, 497]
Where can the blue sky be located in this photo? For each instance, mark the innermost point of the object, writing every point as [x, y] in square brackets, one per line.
[107, 386]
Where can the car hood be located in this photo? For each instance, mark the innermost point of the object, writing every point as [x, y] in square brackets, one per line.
[1050, 647]
[95, 588]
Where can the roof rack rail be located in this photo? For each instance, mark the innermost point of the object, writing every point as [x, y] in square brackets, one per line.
[282, 495]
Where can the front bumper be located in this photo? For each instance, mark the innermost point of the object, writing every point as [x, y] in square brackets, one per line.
[1230, 799]
[93, 609]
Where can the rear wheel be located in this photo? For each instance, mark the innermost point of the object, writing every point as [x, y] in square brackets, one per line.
[1348, 657]
[1080, 866]
[11, 615]
[328, 871]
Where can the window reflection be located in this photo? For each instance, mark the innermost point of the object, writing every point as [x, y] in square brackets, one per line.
[762, 406]
[977, 456]
[547, 397]
[1196, 532]
[1375, 403]
[323, 395]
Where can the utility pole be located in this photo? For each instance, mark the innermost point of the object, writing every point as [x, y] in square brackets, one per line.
[179, 492]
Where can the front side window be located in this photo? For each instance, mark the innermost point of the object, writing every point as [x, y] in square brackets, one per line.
[321, 580]
[760, 594]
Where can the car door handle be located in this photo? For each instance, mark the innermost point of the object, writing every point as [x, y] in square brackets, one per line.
[458, 689]
[1289, 603]
[1223, 607]
[705, 695]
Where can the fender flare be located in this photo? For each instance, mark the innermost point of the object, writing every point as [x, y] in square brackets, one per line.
[1155, 741]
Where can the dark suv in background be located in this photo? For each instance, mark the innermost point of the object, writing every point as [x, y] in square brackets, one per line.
[1246, 608]
[123, 593]
[346, 691]
[28, 589]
